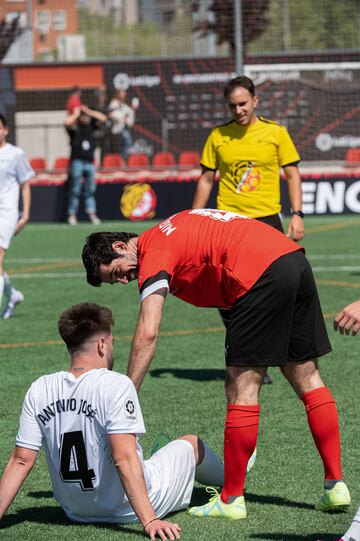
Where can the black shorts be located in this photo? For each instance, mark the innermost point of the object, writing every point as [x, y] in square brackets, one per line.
[274, 220]
[279, 320]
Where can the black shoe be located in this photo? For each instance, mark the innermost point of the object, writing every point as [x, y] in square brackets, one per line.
[267, 380]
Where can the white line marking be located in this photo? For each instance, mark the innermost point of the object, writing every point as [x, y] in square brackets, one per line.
[50, 275]
[337, 269]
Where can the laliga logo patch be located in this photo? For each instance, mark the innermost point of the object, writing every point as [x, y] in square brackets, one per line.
[130, 410]
[138, 202]
[245, 176]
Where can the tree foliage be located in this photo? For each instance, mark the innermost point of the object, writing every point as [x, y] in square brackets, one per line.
[254, 20]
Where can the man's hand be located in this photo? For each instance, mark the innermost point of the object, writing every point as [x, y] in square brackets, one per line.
[348, 319]
[162, 529]
[21, 224]
[296, 228]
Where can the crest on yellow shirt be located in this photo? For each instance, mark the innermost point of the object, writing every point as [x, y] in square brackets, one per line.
[245, 176]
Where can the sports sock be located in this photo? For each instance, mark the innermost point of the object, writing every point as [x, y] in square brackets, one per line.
[324, 425]
[211, 469]
[241, 430]
[353, 533]
[2, 286]
[7, 286]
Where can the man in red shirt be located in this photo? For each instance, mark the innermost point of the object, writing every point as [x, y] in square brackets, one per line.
[216, 258]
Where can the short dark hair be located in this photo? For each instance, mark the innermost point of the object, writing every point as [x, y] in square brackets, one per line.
[79, 322]
[3, 120]
[98, 250]
[242, 81]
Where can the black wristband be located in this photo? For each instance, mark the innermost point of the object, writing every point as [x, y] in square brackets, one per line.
[297, 213]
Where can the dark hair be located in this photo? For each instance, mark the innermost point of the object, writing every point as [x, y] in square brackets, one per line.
[82, 321]
[3, 121]
[242, 81]
[98, 249]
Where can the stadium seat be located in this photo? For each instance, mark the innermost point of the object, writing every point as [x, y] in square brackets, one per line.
[189, 158]
[352, 156]
[163, 159]
[113, 160]
[61, 163]
[38, 164]
[138, 160]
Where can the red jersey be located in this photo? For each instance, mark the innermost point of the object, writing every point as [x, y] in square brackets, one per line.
[208, 257]
[72, 103]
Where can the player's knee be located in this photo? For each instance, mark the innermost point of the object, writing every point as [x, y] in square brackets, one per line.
[197, 445]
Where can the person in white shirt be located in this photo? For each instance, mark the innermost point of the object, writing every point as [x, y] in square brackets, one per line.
[15, 172]
[122, 118]
[88, 419]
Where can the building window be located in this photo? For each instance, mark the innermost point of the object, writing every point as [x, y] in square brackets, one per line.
[59, 19]
[42, 21]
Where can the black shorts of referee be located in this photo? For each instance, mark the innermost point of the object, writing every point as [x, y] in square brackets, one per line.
[279, 320]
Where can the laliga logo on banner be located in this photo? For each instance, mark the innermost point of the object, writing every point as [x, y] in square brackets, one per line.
[325, 142]
[138, 202]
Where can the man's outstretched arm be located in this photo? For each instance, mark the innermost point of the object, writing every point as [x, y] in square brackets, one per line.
[131, 474]
[17, 469]
[145, 338]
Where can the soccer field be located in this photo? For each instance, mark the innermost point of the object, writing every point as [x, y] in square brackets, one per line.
[183, 392]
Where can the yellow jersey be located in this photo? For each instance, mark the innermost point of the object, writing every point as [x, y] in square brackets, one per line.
[249, 159]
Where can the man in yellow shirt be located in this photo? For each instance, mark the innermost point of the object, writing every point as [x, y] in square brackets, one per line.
[249, 151]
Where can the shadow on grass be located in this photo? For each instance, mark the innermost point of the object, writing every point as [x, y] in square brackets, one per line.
[56, 517]
[197, 374]
[41, 494]
[293, 537]
[199, 497]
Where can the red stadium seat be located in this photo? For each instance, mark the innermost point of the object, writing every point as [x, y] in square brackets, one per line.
[113, 160]
[138, 160]
[189, 158]
[38, 164]
[352, 155]
[162, 159]
[61, 163]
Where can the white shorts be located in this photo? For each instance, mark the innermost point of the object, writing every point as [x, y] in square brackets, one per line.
[171, 471]
[8, 221]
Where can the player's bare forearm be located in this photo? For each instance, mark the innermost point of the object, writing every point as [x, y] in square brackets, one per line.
[296, 225]
[17, 469]
[26, 203]
[131, 473]
[203, 189]
[142, 352]
[144, 342]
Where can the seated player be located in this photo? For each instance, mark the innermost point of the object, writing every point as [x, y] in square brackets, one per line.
[88, 419]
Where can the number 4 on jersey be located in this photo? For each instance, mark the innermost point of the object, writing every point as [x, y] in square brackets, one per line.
[73, 451]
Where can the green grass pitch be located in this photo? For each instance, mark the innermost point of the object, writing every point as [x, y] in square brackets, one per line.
[183, 393]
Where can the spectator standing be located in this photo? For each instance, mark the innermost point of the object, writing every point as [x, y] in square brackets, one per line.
[122, 117]
[80, 126]
[102, 129]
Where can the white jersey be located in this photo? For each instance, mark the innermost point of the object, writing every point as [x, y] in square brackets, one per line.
[14, 170]
[72, 416]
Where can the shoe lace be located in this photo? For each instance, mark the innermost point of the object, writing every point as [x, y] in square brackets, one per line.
[214, 493]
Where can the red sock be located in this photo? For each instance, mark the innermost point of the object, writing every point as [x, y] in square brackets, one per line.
[324, 425]
[241, 429]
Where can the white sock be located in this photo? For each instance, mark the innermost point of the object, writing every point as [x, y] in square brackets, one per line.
[353, 533]
[2, 286]
[7, 286]
[211, 469]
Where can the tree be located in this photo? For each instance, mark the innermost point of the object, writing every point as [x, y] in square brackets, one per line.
[9, 32]
[254, 20]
